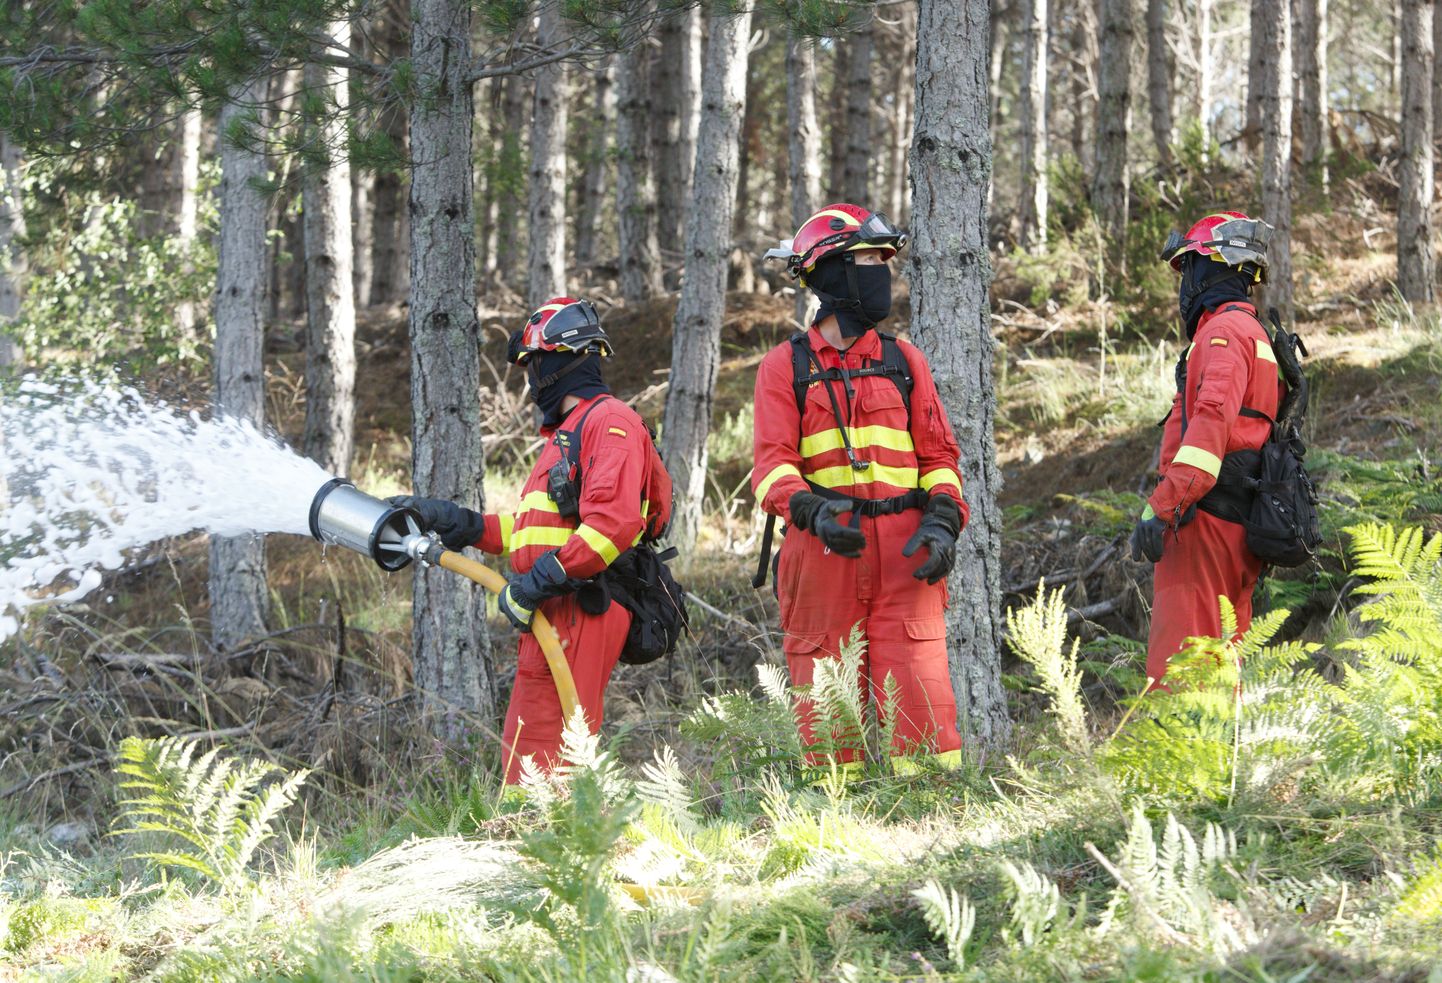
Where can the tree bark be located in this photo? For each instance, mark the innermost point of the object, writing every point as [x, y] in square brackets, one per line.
[676, 98]
[1160, 67]
[1032, 96]
[391, 223]
[1084, 92]
[330, 362]
[1275, 106]
[239, 601]
[362, 224]
[640, 259]
[1254, 121]
[1311, 48]
[951, 322]
[1436, 76]
[1204, 70]
[511, 171]
[12, 257]
[804, 139]
[597, 164]
[696, 351]
[546, 236]
[1416, 263]
[1109, 183]
[836, 121]
[856, 168]
[452, 658]
[903, 85]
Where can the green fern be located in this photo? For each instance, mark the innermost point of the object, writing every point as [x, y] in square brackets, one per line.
[216, 811]
[1037, 634]
[1422, 903]
[950, 917]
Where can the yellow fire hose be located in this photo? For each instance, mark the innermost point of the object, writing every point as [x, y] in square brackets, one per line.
[543, 630]
[565, 688]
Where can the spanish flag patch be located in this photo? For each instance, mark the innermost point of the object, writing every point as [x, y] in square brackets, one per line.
[617, 431]
[1220, 342]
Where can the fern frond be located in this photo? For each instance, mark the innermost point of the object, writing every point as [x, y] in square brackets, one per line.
[950, 917]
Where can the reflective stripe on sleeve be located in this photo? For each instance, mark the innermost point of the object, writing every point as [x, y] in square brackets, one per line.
[1199, 459]
[844, 475]
[940, 476]
[604, 547]
[540, 536]
[777, 473]
[1265, 353]
[861, 437]
[507, 524]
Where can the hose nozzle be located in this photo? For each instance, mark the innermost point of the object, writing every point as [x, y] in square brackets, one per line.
[342, 515]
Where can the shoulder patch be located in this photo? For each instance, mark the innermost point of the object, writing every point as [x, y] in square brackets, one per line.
[617, 431]
[1220, 342]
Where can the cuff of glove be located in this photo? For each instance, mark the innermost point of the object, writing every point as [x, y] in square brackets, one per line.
[945, 510]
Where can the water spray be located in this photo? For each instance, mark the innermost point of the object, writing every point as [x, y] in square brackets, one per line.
[343, 515]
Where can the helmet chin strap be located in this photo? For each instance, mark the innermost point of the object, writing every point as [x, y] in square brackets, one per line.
[538, 384]
[852, 303]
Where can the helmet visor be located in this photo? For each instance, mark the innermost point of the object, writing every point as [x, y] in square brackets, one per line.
[578, 321]
[877, 230]
[1242, 241]
[1174, 245]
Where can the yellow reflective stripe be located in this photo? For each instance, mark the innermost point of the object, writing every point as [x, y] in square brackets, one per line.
[540, 536]
[536, 501]
[941, 476]
[839, 477]
[508, 526]
[873, 436]
[778, 472]
[1264, 352]
[913, 764]
[1199, 459]
[603, 546]
[836, 213]
[1148, 513]
[1188, 356]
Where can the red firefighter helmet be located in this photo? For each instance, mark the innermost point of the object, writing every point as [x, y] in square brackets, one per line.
[837, 229]
[561, 324]
[1228, 237]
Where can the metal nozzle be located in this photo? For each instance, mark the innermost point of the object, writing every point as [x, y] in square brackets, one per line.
[343, 515]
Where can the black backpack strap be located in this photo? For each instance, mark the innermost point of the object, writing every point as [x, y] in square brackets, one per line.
[896, 368]
[569, 441]
[800, 370]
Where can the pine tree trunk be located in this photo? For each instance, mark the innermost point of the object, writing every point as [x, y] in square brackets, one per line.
[390, 263]
[1204, 70]
[696, 351]
[1159, 80]
[1416, 263]
[856, 169]
[452, 659]
[546, 238]
[903, 84]
[511, 171]
[804, 139]
[676, 98]
[1275, 106]
[12, 257]
[640, 255]
[836, 122]
[1257, 69]
[490, 140]
[1109, 183]
[1084, 95]
[239, 601]
[330, 362]
[1311, 48]
[1032, 96]
[1436, 76]
[597, 164]
[951, 322]
[362, 233]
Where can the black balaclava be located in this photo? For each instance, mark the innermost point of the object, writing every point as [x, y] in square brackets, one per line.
[856, 312]
[1207, 285]
[582, 378]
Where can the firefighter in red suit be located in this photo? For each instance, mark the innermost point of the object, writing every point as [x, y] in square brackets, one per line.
[557, 547]
[867, 482]
[1227, 396]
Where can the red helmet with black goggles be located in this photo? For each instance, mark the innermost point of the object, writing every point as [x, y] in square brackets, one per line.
[837, 229]
[562, 324]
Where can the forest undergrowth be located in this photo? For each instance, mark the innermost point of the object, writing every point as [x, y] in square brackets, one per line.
[1278, 816]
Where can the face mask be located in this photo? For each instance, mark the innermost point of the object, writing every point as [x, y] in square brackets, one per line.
[1205, 286]
[855, 313]
[583, 380]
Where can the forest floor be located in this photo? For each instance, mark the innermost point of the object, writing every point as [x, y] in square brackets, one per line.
[1221, 854]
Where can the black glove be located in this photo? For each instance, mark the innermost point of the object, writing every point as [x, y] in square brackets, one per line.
[458, 527]
[817, 516]
[1148, 538]
[521, 597]
[938, 531]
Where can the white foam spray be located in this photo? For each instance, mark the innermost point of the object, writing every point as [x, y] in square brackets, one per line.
[91, 471]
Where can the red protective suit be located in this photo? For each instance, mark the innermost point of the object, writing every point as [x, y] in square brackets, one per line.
[1230, 365]
[625, 493]
[823, 595]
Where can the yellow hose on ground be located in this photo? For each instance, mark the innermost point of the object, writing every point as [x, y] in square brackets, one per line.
[565, 689]
[540, 627]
